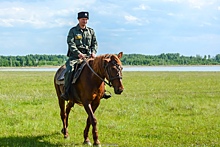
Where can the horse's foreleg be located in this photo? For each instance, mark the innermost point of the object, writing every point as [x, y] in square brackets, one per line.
[91, 118]
[86, 132]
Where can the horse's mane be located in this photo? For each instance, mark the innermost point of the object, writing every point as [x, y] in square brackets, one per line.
[98, 62]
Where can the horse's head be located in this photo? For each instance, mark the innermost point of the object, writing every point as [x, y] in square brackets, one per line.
[113, 70]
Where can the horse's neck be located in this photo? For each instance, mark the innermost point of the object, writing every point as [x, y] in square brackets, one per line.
[98, 66]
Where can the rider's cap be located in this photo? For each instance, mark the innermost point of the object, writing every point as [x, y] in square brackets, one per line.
[83, 15]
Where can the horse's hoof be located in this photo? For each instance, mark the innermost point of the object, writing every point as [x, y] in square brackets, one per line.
[65, 135]
[97, 145]
[87, 143]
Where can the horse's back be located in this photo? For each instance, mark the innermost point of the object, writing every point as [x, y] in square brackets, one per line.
[59, 76]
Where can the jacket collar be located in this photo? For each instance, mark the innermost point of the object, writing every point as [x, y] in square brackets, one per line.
[78, 27]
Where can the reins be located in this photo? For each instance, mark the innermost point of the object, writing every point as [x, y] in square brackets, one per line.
[108, 83]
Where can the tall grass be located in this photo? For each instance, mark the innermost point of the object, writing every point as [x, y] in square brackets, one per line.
[155, 109]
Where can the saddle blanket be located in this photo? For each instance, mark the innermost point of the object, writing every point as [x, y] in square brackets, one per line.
[76, 73]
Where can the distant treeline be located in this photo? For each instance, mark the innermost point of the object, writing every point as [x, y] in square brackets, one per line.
[170, 59]
[32, 60]
[127, 59]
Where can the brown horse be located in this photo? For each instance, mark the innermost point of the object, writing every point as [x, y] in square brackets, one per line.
[89, 89]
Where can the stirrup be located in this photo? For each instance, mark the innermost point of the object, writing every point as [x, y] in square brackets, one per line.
[107, 96]
[64, 96]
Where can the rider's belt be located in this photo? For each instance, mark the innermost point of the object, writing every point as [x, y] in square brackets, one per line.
[84, 51]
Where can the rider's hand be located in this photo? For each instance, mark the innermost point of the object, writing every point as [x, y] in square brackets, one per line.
[92, 55]
[81, 56]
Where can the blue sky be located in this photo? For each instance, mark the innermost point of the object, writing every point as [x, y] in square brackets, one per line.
[150, 27]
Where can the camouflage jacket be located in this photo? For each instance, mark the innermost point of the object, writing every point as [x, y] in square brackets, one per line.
[81, 41]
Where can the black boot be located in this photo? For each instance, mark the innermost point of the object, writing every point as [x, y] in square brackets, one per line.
[67, 83]
[106, 96]
[65, 96]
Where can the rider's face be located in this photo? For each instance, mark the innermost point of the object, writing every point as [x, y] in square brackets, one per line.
[83, 21]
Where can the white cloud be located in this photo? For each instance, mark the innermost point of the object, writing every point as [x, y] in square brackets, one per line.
[6, 22]
[199, 4]
[160, 19]
[170, 14]
[196, 3]
[142, 7]
[134, 20]
[40, 14]
[130, 18]
[205, 24]
[36, 17]
[176, 1]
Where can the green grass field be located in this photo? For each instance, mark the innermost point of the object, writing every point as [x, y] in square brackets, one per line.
[155, 109]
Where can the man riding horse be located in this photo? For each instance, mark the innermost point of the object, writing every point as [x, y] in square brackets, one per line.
[82, 43]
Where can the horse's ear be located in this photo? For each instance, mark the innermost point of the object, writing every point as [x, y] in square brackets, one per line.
[120, 55]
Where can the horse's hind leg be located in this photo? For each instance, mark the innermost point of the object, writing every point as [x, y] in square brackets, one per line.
[68, 108]
[63, 112]
[63, 117]
[62, 108]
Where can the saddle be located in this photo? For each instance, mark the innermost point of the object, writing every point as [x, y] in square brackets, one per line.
[76, 73]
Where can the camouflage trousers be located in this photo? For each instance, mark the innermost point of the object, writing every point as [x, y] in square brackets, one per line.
[68, 77]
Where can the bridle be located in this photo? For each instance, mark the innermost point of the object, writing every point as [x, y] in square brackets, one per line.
[111, 78]
[107, 70]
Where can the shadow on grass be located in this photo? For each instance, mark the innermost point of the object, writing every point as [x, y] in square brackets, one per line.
[37, 141]
[26, 141]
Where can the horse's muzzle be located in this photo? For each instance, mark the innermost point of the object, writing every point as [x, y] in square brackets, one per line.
[118, 90]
